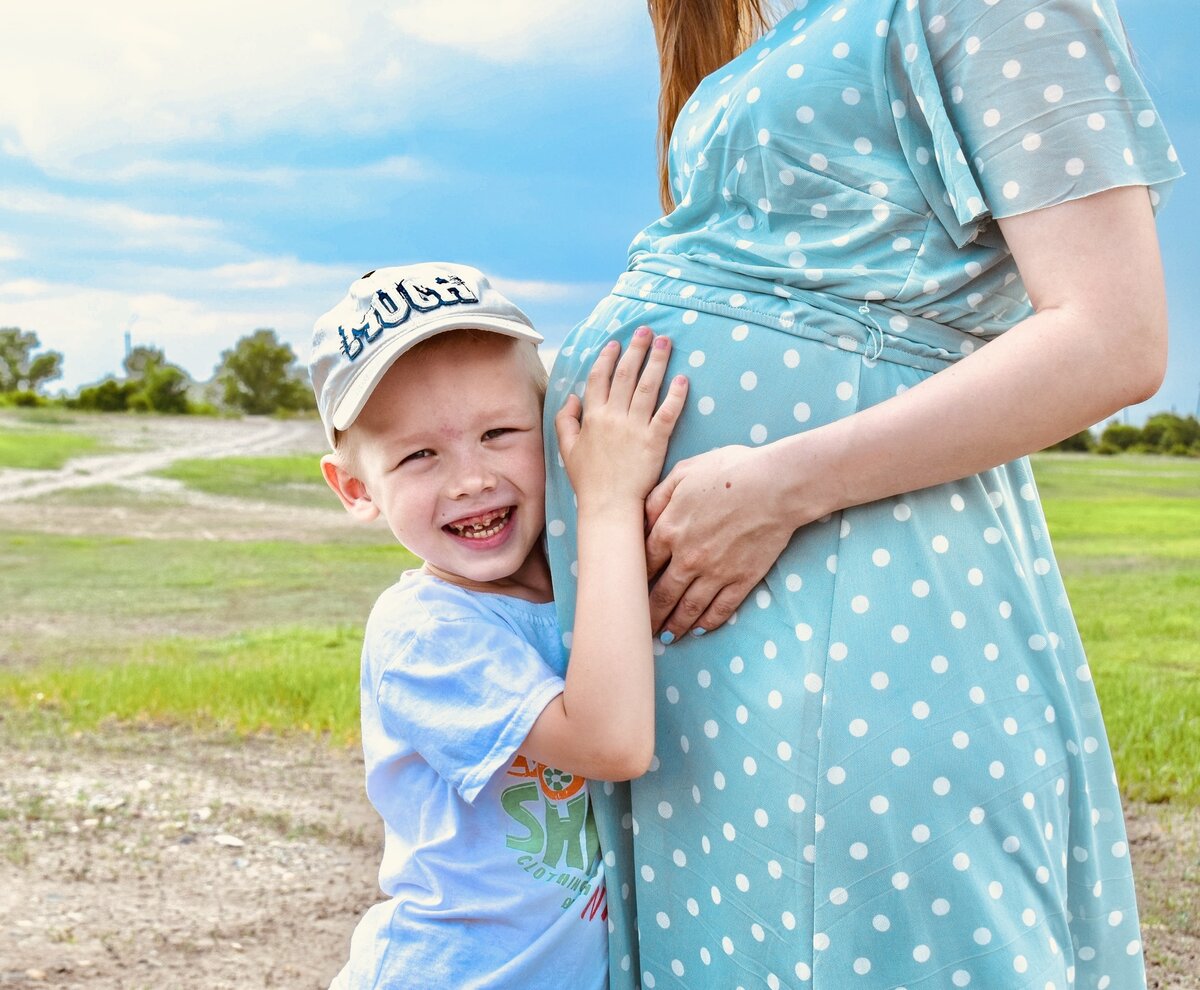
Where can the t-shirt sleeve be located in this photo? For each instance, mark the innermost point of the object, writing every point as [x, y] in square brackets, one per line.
[1003, 107]
[463, 691]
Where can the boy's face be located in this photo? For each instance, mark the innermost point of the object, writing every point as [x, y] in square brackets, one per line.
[449, 450]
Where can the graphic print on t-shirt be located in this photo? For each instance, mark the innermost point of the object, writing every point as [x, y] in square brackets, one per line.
[552, 827]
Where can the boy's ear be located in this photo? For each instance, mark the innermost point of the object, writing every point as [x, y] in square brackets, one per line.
[350, 490]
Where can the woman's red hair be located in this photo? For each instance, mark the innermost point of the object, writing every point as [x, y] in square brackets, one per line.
[695, 38]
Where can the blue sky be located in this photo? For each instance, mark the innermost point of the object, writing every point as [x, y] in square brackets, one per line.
[189, 173]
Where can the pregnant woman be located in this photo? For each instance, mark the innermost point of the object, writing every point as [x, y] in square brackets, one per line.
[907, 243]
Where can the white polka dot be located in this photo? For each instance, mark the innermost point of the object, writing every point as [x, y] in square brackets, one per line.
[858, 851]
[841, 50]
[900, 880]
[690, 317]
[900, 756]
[858, 727]
[879, 680]
[851, 96]
[960, 740]
[1035, 20]
[971, 45]
[706, 405]
[764, 136]
[711, 728]
[920, 710]
[940, 907]
[921, 953]
[805, 115]
[941, 786]
[996, 769]
[920, 833]
[1074, 166]
[960, 978]
[753, 95]
[1096, 121]
[795, 71]
[1020, 964]
[940, 544]
[1011, 69]
[1052, 93]
[862, 145]
[1076, 49]
[880, 804]
[991, 117]
[900, 634]
[961, 862]
[1031, 141]
[844, 391]
[758, 433]
[838, 651]
[920, 588]
[1011, 190]
[665, 810]
[813, 683]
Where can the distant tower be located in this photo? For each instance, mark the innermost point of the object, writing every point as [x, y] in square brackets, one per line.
[128, 344]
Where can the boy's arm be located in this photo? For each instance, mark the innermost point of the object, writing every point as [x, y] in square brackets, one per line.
[602, 725]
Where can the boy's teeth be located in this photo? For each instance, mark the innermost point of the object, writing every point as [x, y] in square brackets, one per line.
[483, 527]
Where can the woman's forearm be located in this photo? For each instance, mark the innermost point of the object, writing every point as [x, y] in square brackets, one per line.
[1096, 344]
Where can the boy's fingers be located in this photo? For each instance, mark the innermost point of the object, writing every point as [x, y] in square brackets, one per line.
[625, 376]
[668, 412]
[600, 377]
[645, 396]
[566, 423]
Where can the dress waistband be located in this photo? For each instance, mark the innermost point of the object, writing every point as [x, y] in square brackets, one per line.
[870, 328]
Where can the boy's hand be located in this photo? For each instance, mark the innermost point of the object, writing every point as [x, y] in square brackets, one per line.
[616, 453]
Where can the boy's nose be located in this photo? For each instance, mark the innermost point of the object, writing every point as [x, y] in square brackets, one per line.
[473, 479]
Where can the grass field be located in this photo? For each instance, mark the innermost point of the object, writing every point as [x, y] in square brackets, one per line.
[264, 634]
[43, 450]
[294, 480]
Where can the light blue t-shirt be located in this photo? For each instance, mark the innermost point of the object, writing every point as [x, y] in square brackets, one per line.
[490, 861]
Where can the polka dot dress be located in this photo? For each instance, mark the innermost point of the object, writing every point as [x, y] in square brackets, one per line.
[890, 770]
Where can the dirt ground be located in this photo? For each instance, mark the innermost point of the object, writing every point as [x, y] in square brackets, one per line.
[147, 859]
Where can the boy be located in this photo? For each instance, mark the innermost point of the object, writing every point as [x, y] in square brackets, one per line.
[430, 389]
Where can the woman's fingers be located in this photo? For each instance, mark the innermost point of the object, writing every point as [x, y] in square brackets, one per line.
[722, 608]
[691, 604]
[656, 503]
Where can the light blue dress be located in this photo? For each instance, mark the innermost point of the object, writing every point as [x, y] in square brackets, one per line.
[891, 770]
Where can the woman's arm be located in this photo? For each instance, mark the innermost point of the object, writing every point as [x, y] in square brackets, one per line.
[602, 725]
[1096, 343]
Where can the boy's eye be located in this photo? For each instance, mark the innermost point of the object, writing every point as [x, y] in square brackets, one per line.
[496, 433]
[417, 456]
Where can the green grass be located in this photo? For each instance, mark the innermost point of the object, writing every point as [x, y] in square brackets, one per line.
[294, 480]
[43, 450]
[1126, 532]
[263, 635]
[281, 681]
[84, 596]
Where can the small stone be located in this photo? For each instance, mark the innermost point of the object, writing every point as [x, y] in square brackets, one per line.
[143, 785]
[225, 839]
[204, 814]
[35, 974]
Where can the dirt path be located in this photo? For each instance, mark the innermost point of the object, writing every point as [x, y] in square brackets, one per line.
[161, 860]
[172, 439]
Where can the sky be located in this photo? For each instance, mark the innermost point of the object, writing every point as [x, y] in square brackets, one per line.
[188, 173]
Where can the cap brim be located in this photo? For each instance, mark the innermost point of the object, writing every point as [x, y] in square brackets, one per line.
[376, 366]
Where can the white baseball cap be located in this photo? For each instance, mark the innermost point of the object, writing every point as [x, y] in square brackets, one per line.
[385, 313]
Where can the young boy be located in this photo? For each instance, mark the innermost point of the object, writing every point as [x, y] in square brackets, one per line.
[477, 749]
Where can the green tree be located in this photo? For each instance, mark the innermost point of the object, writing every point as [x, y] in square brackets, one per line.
[260, 375]
[1081, 442]
[20, 368]
[160, 385]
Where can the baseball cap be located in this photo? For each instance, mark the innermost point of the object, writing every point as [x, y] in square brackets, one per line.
[387, 311]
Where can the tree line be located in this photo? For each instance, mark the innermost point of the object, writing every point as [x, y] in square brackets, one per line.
[258, 375]
[1162, 433]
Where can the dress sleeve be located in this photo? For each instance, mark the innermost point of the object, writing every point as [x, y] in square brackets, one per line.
[1008, 106]
[464, 693]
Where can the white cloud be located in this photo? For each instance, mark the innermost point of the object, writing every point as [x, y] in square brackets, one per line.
[121, 225]
[395, 167]
[195, 314]
[9, 251]
[117, 79]
[508, 31]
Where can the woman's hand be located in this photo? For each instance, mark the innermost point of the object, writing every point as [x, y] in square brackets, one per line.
[717, 524]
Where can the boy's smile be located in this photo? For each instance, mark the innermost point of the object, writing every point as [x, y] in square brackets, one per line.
[449, 450]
